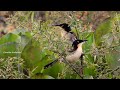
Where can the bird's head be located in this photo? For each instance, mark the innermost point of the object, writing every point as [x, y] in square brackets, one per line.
[78, 43]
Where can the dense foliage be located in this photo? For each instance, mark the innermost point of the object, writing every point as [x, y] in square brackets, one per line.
[38, 43]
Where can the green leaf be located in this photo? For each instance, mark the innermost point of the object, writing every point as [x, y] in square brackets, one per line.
[9, 49]
[90, 71]
[9, 38]
[103, 29]
[113, 57]
[54, 70]
[34, 55]
[88, 45]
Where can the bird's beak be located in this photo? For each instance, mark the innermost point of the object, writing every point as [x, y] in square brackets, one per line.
[85, 40]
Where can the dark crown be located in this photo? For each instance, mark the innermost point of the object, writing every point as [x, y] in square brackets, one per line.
[76, 42]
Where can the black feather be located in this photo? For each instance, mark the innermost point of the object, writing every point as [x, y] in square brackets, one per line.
[76, 42]
[50, 64]
[65, 26]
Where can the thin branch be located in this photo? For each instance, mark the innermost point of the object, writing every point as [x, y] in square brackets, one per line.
[112, 71]
[73, 68]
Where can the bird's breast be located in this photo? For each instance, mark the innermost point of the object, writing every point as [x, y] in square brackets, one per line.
[75, 56]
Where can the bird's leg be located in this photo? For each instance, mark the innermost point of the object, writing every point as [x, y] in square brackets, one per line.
[81, 66]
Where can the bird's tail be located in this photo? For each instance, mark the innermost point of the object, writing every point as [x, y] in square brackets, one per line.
[56, 24]
[50, 64]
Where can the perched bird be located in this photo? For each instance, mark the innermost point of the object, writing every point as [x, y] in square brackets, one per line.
[66, 32]
[74, 56]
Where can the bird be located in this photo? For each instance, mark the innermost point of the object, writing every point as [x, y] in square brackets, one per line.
[66, 32]
[77, 51]
[74, 56]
